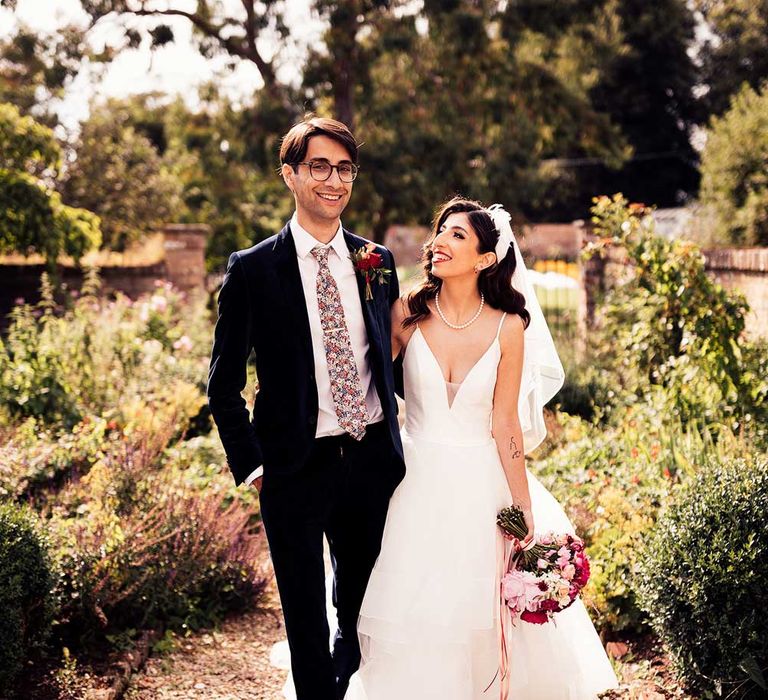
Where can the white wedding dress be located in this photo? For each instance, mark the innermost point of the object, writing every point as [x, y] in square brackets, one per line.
[429, 622]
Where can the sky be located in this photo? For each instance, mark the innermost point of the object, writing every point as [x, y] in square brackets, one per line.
[176, 68]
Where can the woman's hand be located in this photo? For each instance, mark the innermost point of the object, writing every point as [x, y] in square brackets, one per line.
[527, 542]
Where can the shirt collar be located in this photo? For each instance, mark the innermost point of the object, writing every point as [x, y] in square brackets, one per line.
[305, 241]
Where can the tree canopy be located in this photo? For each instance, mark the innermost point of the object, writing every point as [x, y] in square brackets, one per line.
[33, 218]
[537, 105]
[734, 167]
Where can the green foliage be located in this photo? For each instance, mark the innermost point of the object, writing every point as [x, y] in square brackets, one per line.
[646, 86]
[119, 174]
[680, 332]
[33, 456]
[117, 359]
[36, 67]
[734, 165]
[614, 483]
[26, 144]
[704, 580]
[226, 158]
[140, 543]
[26, 584]
[736, 50]
[33, 218]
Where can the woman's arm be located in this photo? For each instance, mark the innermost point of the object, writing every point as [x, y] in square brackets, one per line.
[399, 337]
[506, 423]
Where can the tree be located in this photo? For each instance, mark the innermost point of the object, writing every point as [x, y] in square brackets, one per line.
[647, 89]
[481, 120]
[734, 166]
[118, 174]
[237, 34]
[737, 50]
[33, 218]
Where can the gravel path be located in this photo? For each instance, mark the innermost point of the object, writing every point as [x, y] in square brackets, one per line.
[231, 663]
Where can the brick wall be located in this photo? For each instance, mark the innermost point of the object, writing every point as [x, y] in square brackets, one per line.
[183, 265]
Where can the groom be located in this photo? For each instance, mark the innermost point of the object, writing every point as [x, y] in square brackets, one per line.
[324, 435]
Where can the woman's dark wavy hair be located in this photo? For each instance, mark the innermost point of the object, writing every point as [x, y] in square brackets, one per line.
[494, 282]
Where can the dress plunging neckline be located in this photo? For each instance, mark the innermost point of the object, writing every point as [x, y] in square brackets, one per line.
[460, 384]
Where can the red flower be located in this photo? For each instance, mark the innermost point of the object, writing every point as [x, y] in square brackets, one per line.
[551, 605]
[369, 261]
[537, 618]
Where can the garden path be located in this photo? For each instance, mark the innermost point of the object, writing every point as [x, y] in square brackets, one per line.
[231, 663]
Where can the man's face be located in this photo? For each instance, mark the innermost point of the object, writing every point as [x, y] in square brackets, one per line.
[319, 202]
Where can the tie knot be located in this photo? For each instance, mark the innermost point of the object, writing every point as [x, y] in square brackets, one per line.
[321, 253]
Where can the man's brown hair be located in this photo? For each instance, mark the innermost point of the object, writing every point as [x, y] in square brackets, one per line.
[293, 148]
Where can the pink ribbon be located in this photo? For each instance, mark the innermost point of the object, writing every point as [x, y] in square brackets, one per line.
[504, 554]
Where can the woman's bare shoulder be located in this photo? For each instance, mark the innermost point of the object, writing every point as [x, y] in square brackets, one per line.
[512, 332]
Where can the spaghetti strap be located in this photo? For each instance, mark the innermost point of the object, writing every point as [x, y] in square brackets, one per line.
[501, 323]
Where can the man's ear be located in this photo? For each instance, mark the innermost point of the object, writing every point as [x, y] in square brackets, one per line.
[288, 174]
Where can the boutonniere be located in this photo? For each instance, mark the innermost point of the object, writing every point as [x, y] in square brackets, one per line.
[369, 265]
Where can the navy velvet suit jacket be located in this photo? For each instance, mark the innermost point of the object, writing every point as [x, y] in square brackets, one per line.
[262, 308]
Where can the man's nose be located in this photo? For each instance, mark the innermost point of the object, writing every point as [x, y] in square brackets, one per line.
[334, 180]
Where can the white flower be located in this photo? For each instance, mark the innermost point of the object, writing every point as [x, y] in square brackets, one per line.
[158, 302]
[184, 344]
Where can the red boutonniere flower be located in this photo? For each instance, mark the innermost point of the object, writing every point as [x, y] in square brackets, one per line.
[369, 264]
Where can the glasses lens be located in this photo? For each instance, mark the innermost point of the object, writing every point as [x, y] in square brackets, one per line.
[347, 172]
[320, 170]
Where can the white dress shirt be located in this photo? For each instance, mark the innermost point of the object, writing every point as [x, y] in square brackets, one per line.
[343, 271]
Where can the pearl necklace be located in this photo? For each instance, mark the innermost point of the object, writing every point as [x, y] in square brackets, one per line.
[462, 325]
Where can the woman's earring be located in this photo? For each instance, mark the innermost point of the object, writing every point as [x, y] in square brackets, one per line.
[477, 270]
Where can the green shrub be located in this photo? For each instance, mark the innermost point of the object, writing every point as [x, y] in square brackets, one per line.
[160, 553]
[704, 580]
[108, 358]
[680, 333]
[26, 582]
[613, 483]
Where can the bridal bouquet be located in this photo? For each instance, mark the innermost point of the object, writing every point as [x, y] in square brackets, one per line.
[544, 579]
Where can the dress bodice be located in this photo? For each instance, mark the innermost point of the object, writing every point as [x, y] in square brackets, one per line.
[466, 420]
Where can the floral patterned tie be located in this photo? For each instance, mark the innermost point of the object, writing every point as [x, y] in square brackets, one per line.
[348, 399]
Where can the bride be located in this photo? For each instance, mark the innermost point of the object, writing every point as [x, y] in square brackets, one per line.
[479, 365]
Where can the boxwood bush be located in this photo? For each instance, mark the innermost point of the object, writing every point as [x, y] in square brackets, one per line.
[26, 582]
[704, 580]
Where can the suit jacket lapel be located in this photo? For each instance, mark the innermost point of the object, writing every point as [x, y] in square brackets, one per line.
[287, 266]
[369, 306]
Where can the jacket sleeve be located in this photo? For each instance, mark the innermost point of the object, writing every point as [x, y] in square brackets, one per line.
[227, 375]
[394, 295]
[394, 284]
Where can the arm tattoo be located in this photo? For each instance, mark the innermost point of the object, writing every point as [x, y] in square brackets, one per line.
[513, 447]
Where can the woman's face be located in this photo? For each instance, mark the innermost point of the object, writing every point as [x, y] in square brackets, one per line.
[454, 248]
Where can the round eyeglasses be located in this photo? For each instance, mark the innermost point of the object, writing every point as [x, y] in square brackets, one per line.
[321, 170]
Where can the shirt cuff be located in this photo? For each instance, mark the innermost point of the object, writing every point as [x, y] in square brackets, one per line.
[255, 474]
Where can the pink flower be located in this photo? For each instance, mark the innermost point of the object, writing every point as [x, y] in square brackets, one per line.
[542, 563]
[582, 575]
[569, 572]
[521, 590]
[563, 556]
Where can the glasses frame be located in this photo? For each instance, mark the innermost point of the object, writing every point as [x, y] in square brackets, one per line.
[311, 163]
